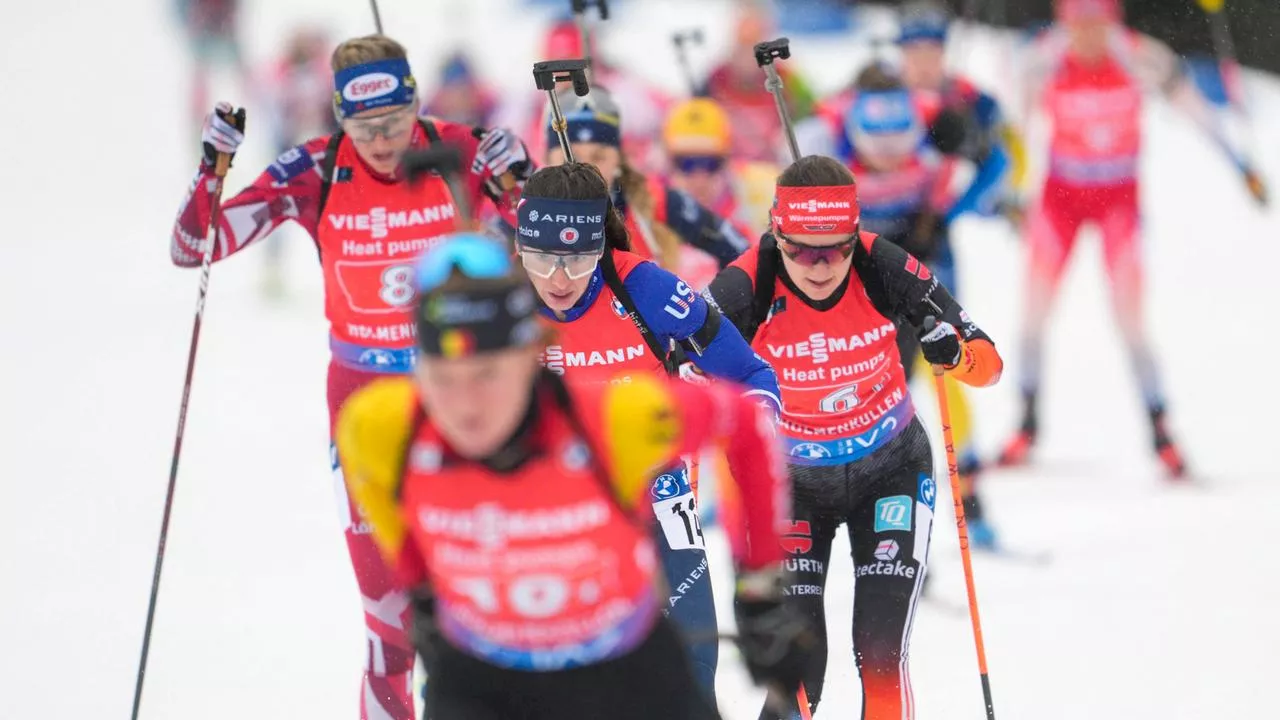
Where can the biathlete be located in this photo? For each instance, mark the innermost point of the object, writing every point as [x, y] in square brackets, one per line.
[513, 504]
[368, 225]
[823, 302]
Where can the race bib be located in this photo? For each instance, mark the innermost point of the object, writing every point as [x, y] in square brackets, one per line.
[676, 508]
[376, 286]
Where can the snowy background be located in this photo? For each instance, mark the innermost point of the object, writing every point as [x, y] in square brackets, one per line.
[1159, 602]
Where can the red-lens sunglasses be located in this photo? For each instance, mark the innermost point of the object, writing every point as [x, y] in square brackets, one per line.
[813, 254]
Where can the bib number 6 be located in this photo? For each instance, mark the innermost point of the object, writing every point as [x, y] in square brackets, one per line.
[397, 285]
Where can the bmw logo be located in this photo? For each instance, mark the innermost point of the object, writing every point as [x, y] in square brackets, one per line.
[810, 450]
[665, 487]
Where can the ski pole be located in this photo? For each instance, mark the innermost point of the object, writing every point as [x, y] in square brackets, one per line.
[580, 19]
[220, 167]
[446, 161]
[1224, 48]
[766, 52]
[1229, 69]
[962, 527]
[377, 16]
[546, 75]
[681, 39]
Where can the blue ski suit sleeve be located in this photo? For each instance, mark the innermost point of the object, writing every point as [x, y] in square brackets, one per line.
[703, 229]
[991, 157]
[674, 311]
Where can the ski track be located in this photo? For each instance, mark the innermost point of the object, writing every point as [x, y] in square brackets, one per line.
[258, 612]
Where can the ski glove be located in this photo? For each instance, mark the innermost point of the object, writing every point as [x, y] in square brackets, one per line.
[774, 637]
[501, 152]
[949, 131]
[1257, 188]
[223, 132]
[941, 345]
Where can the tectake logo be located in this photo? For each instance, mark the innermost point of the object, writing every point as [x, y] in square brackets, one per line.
[367, 87]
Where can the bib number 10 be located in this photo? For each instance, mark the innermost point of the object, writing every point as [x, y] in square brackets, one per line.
[532, 596]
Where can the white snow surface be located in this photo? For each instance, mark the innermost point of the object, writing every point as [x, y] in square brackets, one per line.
[1159, 602]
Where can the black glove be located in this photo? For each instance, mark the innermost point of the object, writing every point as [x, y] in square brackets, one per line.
[940, 343]
[775, 639]
[949, 131]
[424, 631]
[223, 132]
[928, 229]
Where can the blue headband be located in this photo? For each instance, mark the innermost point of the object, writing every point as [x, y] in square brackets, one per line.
[882, 112]
[373, 85]
[588, 126]
[561, 226]
[929, 26]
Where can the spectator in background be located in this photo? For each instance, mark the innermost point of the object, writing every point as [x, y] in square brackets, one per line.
[644, 106]
[298, 88]
[738, 85]
[211, 34]
[461, 97]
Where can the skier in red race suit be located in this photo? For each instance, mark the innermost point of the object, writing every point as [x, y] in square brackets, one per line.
[368, 226]
[823, 301]
[616, 317]
[514, 507]
[1089, 73]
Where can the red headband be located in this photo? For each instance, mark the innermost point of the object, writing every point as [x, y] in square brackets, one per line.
[830, 210]
[1070, 10]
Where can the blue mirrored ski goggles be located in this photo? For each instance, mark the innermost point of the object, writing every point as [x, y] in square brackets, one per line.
[476, 256]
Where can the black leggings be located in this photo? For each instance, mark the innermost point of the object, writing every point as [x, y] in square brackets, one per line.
[886, 503]
[652, 681]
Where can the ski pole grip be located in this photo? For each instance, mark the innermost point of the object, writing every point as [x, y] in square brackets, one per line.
[548, 73]
[768, 51]
[221, 165]
[579, 7]
[443, 159]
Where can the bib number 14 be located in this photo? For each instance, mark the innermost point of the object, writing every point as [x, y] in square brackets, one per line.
[680, 524]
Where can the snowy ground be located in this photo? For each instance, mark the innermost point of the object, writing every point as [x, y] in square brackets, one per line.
[1159, 603]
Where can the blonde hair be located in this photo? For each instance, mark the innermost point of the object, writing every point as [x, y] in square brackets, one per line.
[635, 188]
[369, 48]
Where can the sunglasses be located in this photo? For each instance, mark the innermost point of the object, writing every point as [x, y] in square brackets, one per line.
[575, 265]
[475, 256]
[391, 126]
[803, 254]
[688, 164]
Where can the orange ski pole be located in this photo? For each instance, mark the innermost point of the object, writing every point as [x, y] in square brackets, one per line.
[802, 701]
[963, 528]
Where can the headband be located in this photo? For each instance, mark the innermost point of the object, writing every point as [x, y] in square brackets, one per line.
[373, 85]
[587, 126]
[828, 210]
[561, 226]
[461, 323]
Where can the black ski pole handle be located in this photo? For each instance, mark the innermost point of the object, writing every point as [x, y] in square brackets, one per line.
[548, 73]
[446, 161]
[580, 7]
[681, 38]
[769, 50]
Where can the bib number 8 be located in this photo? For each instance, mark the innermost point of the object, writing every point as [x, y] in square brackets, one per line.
[397, 285]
